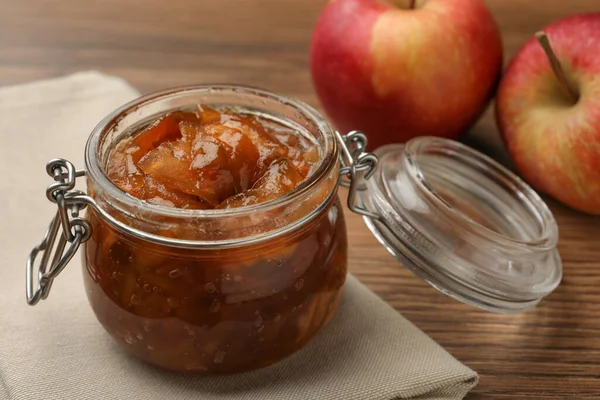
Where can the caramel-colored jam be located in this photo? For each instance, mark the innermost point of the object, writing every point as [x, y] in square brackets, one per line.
[215, 311]
[211, 159]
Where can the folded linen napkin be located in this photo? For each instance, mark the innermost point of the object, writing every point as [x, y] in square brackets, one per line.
[57, 349]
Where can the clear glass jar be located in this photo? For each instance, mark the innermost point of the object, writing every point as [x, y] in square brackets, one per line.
[258, 282]
[219, 291]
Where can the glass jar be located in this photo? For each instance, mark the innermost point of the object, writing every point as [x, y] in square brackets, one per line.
[220, 291]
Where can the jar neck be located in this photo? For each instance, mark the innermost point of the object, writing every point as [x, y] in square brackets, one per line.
[212, 228]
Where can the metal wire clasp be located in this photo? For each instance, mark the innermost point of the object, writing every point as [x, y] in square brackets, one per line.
[357, 166]
[75, 230]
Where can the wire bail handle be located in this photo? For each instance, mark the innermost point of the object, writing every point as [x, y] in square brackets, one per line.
[358, 165]
[74, 230]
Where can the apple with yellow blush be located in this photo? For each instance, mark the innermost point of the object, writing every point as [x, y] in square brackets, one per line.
[548, 110]
[400, 69]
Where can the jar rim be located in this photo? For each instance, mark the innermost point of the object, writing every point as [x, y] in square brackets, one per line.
[97, 173]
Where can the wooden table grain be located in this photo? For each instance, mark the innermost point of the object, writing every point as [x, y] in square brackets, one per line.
[552, 352]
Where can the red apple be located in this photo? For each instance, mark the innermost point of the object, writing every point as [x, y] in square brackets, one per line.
[548, 110]
[396, 71]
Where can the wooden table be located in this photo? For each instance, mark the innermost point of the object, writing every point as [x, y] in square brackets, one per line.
[550, 353]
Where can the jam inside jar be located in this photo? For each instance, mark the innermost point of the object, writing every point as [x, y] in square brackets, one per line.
[203, 281]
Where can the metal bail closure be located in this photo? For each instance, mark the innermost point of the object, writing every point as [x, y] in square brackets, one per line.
[455, 218]
[66, 232]
[357, 165]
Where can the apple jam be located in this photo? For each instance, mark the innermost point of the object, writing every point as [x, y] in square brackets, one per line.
[209, 159]
[210, 309]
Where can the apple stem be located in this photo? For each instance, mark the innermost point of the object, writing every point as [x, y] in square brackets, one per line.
[411, 4]
[559, 72]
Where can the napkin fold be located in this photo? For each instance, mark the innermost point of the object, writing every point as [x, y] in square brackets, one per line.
[57, 349]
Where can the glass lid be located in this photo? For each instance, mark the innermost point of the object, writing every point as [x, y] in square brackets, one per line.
[463, 223]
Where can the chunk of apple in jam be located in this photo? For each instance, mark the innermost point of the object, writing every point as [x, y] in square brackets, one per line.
[242, 154]
[163, 130]
[126, 175]
[208, 115]
[281, 177]
[268, 147]
[199, 169]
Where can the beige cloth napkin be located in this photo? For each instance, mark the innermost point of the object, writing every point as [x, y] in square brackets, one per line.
[57, 350]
